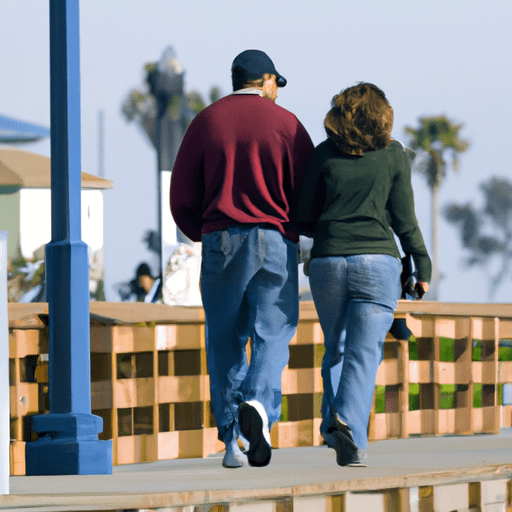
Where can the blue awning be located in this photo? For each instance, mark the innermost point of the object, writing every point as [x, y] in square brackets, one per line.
[13, 130]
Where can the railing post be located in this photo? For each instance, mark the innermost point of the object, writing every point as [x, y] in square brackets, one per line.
[4, 370]
[403, 367]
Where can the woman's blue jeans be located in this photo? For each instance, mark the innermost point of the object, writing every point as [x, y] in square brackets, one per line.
[249, 281]
[355, 297]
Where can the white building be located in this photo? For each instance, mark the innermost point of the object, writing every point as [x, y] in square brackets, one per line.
[25, 208]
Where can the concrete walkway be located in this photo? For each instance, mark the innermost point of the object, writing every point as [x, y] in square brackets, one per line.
[309, 471]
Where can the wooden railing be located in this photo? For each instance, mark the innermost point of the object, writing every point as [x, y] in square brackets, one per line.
[150, 384]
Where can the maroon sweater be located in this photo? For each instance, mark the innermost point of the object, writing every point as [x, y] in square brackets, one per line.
[241, 161]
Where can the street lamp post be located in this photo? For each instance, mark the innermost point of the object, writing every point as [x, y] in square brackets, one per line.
[166, 84]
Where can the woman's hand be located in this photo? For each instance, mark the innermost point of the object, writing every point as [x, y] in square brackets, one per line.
[422, 288]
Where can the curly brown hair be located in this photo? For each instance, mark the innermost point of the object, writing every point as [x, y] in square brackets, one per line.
[360, 119]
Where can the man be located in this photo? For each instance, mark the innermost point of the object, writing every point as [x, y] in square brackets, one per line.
[234, 186]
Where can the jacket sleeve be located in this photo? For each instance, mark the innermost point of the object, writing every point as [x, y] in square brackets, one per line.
[301, 153]
[403, 218]
[187, 183]
[312, 195]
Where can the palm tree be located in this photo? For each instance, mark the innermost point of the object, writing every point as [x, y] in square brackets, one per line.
[486, 233]
[436, 138]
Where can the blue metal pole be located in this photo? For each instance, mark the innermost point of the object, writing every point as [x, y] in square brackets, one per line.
[68, 436]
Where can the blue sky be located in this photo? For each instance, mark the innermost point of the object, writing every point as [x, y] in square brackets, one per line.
[448, 57]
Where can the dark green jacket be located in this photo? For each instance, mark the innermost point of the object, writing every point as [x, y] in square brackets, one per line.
[355, 205]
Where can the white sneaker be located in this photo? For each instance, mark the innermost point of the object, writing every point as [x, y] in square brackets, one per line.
[253, 423]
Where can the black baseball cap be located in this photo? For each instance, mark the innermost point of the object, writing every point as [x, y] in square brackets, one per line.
[252, 65]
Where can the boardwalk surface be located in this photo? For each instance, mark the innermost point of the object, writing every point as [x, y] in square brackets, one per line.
[308, 471]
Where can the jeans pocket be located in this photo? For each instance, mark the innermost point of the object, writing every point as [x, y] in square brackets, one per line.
[219, 248]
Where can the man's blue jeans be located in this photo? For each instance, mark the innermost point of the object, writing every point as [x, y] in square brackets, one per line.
[249, 282]
[355, 297]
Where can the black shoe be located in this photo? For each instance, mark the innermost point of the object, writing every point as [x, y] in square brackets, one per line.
[253, 428]
[347, 453]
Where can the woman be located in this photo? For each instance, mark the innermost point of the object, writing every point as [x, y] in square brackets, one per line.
[356, 196]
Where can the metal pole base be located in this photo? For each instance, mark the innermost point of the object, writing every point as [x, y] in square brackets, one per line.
[68, 445]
